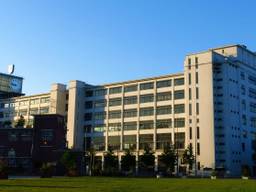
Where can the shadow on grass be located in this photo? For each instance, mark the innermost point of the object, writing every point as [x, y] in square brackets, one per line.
[40, 186]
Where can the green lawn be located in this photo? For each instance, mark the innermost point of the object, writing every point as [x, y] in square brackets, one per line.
[95, 184]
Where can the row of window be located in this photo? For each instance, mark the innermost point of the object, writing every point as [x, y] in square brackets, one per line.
[128, 126]
[132, 88]
[130, 141]
[147, 111]
[26, 103]
[33, 111]
[165, 96]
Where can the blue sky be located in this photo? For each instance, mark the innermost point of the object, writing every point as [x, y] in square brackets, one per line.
[103, 41]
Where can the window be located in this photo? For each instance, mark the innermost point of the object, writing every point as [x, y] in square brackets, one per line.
[179, 81]
[242, 75]
[115, 90]
[99, 115]
[146, 141]
[179, 140]
[145, 86]
[190, 132]
[46, 135]
[114, 127]
[115, 102]
[33, 111]
[100, 103]
[196, 77]
[23, 103]
[179, 122]
[98, 143]
[243, 90]
[130, 113]
[244, 120]
[130, 88]
[44, 110]
[129, 142]
[45, 100]
[130, 126]
[34, 101]
[253, 107]
[189, 79]
[190, 94]
[114, 142]
[88, 104]
[146, 125]
[12, 136]
[190, 109]
[197, 108]
[197, 133]
[23, 112]
[88, 116]
[148, 111]
[163, 140]
[163, 110]
[89, 93]
[179, 94]
[100, 92]
[146, 98]
[165, 96]
[252, 79]
[87, 128]
[165, 83]
[99, 128]
[197, 93]
[130, 100]
[252, 93]
[165, 123]
[198, 149]
[115, 114]
[180, 108]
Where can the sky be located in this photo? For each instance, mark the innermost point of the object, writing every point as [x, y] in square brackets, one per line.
[105, 41]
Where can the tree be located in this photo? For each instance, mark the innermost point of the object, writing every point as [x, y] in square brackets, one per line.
[169, 158]
[128, 161]
[110, 163]
[20, 122]
[147, 160]
[69, 160]
[7, 123]
[188, 157]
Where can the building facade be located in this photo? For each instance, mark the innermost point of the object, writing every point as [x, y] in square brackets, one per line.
[211, 106]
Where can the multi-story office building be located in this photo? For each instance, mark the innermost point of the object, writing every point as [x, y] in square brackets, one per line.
[211, 106]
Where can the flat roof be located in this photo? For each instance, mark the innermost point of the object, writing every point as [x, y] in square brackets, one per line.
[4, 74]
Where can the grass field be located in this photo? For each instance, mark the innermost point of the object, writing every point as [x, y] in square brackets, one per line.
[96, 184]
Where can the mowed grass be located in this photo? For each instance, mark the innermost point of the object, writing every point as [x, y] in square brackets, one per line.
[105, 184]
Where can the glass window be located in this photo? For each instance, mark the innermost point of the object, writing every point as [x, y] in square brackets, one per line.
[115, 102]
[114, 127]
[164, 96]
[45, 100]
[130, 142]
[179, 139]
[46, 134]
[179, 94]
[44, 110]
[88, 104]
[146, 141]
[115, 90]
[114, 142]
[164, 110]
[100, 92]
[130, 88]
[99, 128]
[179, 81]
[164, 83]
[33, 111]
[34, 101]
[163, 140]
[146, 125]
[179, 122]
[88, 116]
[130, 126]
[130, 100]
[180, 108]
[145, 86]
[146, 98]
[89, 93]
[115, 114]
[98, 143]
[99, 115]
[148, 111]
[100, 103]
[130, 113]
[165, 123]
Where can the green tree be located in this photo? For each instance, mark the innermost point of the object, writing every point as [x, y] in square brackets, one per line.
[188, 157]
[169, 158]
[128, 161]
[110, 163]
[69, 160]
[147, 160]
[21, 122]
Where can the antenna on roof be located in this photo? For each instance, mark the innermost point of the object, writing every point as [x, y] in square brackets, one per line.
[10, 69]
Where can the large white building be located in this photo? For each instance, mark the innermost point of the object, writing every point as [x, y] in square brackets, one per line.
[211, 106]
